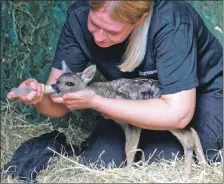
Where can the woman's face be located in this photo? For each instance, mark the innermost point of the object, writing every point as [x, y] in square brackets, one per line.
[107, 32]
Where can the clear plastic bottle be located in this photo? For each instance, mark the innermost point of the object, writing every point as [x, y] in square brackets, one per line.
[27, 89]
[21, 91]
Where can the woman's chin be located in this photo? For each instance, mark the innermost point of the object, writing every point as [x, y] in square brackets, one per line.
[103, 45]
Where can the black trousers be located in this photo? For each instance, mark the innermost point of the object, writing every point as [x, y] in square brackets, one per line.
[207, 121]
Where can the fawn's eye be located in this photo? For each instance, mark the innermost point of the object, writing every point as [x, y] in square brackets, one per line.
[69, 84]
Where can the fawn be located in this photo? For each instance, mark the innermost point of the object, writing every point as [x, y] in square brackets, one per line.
[135, 89]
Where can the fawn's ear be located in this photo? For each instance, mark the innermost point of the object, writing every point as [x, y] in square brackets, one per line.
[65, 68]
[88, 74]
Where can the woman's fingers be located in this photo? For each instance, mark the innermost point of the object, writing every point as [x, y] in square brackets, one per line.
[33, 97]
[57, 99]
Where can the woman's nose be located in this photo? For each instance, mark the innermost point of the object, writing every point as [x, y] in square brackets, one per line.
[99, 36]
[101, 31]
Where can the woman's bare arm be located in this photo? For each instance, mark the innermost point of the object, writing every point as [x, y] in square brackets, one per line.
[169, 112]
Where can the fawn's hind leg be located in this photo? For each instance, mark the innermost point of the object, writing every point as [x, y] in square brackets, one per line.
[198, 147]
[132, 136]
[187, 140]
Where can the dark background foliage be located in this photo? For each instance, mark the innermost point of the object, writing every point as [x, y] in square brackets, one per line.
[29, 35]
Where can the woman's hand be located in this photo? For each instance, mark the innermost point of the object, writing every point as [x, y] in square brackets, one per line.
[34, 97]
[77, 100]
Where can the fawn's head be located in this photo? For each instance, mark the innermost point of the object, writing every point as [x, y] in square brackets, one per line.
[71, 82]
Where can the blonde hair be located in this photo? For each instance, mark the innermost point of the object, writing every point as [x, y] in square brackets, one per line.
[130, 12]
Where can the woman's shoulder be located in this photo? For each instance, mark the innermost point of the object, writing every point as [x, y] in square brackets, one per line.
[175, 12]
[78, 6]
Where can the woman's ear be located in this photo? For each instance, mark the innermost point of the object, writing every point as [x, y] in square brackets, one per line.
[141, 20]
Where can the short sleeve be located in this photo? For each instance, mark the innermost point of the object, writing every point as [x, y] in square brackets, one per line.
[176, 58]
[68, 48]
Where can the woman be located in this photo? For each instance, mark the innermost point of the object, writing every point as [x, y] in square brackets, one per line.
[164, 40]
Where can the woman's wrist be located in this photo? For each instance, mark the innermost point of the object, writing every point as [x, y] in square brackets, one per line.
[95, 103]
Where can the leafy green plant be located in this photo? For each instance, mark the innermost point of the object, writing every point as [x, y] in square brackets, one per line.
[29, 35]
[211, 13]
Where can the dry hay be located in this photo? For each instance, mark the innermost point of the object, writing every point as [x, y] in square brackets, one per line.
[15, 130]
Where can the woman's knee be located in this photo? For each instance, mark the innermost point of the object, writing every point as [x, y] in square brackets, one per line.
[209, 126]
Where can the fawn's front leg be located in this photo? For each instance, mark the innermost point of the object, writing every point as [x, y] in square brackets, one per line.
[132, 136]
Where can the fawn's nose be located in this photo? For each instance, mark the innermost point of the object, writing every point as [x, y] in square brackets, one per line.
[56, 88]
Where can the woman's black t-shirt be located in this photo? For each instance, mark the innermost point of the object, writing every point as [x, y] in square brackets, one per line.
[181, 52]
